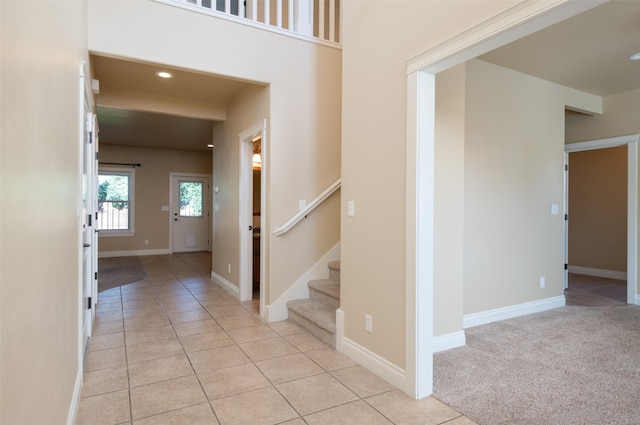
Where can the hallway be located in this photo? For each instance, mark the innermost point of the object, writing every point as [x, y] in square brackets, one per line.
[175, 348]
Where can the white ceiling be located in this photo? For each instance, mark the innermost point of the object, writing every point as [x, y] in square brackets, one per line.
[588, 52]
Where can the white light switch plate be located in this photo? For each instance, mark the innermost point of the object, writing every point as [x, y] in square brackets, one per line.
[351, 208]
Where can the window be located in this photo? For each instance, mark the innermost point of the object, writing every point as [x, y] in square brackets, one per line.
[191, 199]
[115, 202]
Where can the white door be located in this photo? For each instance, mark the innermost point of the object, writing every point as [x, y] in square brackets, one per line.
[190, 215]
[89, 237]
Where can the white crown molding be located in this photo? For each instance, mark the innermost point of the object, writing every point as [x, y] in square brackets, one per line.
[524, 18]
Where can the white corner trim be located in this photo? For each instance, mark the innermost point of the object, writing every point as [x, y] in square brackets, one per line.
[588, 271]
[339, 329]
[489, 316]
[133, 253]
[277, 310]
[75, 399]
[376, 364]
[448, 341]
[226, 285]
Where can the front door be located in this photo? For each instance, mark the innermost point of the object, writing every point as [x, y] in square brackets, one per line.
[190, 215]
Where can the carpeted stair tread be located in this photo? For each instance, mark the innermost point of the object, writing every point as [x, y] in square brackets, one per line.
[320, 314]
[328, 287]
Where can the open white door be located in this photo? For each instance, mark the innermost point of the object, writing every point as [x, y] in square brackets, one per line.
[88, 211]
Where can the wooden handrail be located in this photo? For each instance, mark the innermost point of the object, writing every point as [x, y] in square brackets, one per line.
[306, 210]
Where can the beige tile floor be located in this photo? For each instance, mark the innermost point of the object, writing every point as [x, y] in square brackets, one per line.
[176, 349]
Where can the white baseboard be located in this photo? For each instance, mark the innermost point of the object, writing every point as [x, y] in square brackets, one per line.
[133, 253]
[449, 341]
[226, 285]
[609, 274]
[277, 310]
[383, 368]
[75, 399]
[512, 311]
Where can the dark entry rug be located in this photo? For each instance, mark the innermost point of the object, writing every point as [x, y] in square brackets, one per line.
[118, 271]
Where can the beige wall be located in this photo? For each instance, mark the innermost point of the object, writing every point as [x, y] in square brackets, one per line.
[598, 209]
[449, 200]
[151, 192]
[378, 38]
[42, 46]
[514, 160]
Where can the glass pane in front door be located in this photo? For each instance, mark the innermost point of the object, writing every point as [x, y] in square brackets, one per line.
[191, 199]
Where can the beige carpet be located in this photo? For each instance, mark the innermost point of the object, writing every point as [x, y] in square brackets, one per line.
[572, 365]
[118, 271]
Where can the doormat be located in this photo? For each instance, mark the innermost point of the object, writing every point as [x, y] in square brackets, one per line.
[118, 271]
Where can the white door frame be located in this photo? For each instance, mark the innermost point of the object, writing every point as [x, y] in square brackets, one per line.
[245, 221]
[516, 22]
[631, 142]
[172, 177]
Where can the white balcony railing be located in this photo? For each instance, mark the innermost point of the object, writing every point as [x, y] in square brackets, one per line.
[317, 19]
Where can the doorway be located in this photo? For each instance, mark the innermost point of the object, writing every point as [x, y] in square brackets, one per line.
[631, 143]
[190, 212]
[252, 168]
[256, 164]
[421, 122]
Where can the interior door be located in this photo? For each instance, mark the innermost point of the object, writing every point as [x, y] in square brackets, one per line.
[190, 213]
[89, 249]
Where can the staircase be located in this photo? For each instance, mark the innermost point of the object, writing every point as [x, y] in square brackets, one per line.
[318, 313]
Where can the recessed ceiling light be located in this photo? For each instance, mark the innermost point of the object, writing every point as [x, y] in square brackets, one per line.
[164, 74]
[209, 145]
[635, 57]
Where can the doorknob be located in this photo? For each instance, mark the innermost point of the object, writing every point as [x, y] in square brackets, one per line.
[86, 245]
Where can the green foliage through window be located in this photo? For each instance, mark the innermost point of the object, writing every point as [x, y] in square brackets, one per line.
[191, 199]
[114, 201]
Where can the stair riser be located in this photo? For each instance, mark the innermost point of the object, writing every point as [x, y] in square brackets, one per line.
[324, 298]
[334, 274]
[322, 334]
[334, 270]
